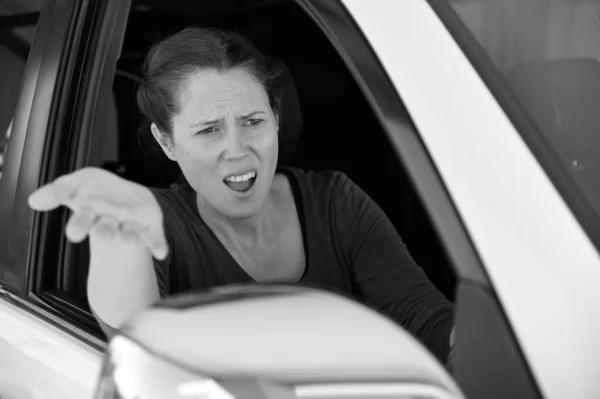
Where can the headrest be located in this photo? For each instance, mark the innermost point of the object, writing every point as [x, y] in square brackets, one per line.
[563, 98]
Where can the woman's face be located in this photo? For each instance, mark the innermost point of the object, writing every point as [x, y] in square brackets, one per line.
[225, 141]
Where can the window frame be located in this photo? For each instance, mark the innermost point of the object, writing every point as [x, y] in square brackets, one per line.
[34, 118]
[524, 231]
[99, 47]
[339, 27]
[388, 107]
[46, 230]
[476, 297]
[25, 148]
[76, 49]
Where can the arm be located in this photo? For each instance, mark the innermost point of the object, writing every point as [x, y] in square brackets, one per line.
[385, 273]
[125, 225]
[124, 278]
[121, 282]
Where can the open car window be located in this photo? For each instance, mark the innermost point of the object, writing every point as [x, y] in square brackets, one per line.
[329, 138]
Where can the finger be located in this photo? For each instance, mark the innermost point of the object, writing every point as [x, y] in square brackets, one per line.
[106, 227]
[128, 232]
[155, 241]
[148, 221]
[60, 190]
[79, 225]
[101, 205]
[54, 194]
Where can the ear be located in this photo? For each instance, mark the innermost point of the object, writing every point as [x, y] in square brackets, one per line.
[164, 141]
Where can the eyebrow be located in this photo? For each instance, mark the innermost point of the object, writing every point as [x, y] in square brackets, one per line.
[211, 122]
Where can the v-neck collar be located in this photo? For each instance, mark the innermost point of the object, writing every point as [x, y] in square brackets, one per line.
[299, 200]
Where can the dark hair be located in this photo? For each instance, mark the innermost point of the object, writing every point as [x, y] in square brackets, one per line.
[171, 62]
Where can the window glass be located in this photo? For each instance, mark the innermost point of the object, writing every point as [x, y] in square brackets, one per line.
[17, 28]
[548, 53]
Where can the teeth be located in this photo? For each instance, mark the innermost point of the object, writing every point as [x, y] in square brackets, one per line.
[239, 179]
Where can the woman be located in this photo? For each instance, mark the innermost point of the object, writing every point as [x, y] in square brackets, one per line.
[214, 106]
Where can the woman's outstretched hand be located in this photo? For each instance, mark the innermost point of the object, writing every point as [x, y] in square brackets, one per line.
[106, 207]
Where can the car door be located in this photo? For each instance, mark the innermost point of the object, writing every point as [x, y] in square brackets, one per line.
[50, 345]
[532, 233]
[484, 330]
[394, 52]
[35, 254]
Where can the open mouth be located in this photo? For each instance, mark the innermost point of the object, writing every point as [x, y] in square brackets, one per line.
[241, 183]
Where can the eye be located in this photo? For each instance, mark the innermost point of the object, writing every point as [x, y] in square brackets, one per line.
[208, 130]
[254, 122]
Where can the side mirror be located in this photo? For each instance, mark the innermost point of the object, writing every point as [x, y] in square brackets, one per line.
[268, 342]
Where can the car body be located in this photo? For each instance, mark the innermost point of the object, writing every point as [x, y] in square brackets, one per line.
[522, 238]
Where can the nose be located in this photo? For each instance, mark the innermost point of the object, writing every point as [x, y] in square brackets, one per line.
[235, 147]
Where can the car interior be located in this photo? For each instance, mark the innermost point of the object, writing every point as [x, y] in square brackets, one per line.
[338, 129]
[326, 123]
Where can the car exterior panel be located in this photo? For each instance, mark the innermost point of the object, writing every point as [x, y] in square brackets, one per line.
[40, 361]
[541, 263]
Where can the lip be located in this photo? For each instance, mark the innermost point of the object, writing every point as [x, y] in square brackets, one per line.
[241, 173]
[245, 194]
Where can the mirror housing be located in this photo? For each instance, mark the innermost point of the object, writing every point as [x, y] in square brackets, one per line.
[268, 342]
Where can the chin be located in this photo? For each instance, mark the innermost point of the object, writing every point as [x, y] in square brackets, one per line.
[243, 209]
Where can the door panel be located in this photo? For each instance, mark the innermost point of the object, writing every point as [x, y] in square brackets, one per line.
[40, 361]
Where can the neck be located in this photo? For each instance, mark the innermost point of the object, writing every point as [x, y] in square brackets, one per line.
[252, 231]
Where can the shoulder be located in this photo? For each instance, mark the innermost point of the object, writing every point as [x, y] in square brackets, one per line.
[175, 195]
[319, 181]
[329, 193]
[182, 227]
[176, 202]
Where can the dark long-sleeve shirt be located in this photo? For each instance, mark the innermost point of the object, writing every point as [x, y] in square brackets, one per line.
[350, 247]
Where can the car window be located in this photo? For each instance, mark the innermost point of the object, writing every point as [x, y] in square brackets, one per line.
[547, 53]
[17, 28]
[329, 139]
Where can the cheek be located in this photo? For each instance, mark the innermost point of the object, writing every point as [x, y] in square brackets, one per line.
[266, 141]
[196, 161]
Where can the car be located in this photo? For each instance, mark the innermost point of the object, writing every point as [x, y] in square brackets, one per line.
[471, 123]
[250, 348]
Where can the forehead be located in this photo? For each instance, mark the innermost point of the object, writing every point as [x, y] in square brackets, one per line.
[210, 90]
